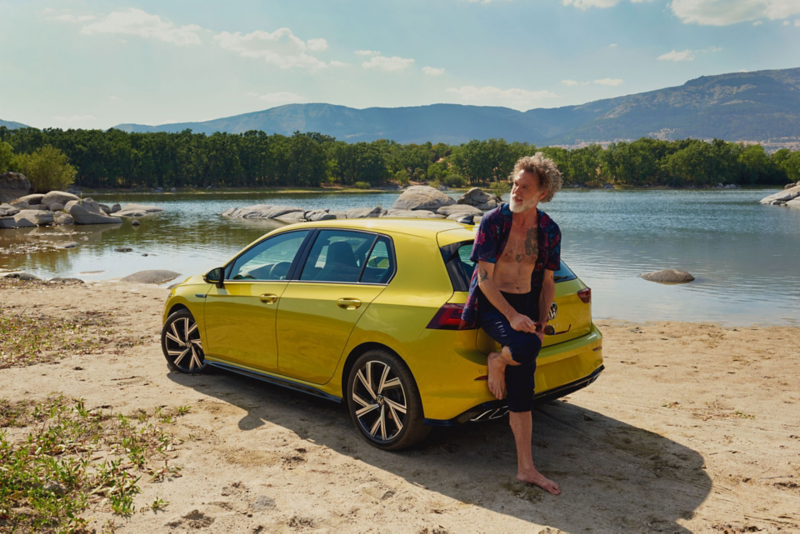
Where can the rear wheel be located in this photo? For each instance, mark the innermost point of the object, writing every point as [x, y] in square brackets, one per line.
[181, 344]
[384, 401]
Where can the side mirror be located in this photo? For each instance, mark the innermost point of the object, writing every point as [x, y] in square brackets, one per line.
[214, 276]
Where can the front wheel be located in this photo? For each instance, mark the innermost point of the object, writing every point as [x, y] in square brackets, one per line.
[181, 344]
[384, 401]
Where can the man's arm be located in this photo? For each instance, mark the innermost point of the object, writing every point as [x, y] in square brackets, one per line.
[546, 297]
[518, 322]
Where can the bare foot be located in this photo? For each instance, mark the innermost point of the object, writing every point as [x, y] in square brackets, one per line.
[537, 479]
[497, 375]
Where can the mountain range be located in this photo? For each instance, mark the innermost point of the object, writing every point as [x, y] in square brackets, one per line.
[743, 106]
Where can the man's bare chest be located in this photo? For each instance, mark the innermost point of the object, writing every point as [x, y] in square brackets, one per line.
[522, 247]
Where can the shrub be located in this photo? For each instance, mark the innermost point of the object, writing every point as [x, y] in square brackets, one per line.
[361, 185]
[402, 177]
[436, 184]
[500, 188]
[47, 169]
[6, 155]
[454, 180]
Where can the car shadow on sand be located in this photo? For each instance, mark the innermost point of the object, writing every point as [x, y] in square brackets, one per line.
[614, 476]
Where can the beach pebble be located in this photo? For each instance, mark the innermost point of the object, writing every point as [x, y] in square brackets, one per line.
[20, 276]
[668, 276]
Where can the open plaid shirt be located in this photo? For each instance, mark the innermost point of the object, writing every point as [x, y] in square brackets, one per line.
[489, 243]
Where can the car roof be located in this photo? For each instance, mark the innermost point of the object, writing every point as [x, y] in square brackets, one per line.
[429, 228]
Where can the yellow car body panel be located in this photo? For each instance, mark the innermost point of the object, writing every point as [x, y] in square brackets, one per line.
[316, 338]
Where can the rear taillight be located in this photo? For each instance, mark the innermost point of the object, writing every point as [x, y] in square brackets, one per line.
[448, 318]
[585, 295]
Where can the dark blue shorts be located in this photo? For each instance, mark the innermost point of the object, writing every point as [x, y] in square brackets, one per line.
[524, 347]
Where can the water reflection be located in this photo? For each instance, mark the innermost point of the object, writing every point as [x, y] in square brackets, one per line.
[744, 255]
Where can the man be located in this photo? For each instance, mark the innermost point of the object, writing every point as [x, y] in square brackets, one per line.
[517, 249]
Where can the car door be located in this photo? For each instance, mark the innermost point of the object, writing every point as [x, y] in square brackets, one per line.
[318, 311]
[240, 316]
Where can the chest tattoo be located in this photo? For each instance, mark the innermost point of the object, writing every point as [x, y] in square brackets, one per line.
[519, 258]
[531, 243]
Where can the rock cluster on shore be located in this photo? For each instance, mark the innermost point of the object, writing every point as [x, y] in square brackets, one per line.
[417, 202]
[789, 197]
[62, 208]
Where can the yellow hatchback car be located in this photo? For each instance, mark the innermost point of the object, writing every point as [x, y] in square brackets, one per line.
[367, 311]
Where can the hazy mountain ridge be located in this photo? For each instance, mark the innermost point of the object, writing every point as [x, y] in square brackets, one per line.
[751, 106]
[11, 125]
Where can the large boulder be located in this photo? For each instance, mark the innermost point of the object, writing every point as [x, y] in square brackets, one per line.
[480, 199]
[668, 276]
[365, 213]
[82, 215]
[459, 209]
[32, 199]
[19, 204]
[57, 197]
[7, 210]
[412, 214]
[62, 219]
[292, 217]
[13, 185]
[136, 210]
[151, 277]
[56, 207]
[34, 217]
[793, 203]
[319, 215]
[782, 197]
[260, 211]
[7, 222]
[422, 197]
[88, 204]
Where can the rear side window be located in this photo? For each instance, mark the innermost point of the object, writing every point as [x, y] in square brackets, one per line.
[380, 265]
[337, 256]
[460, 267]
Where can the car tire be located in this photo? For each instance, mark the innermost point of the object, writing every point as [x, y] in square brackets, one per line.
[181, 344]
[384, 401]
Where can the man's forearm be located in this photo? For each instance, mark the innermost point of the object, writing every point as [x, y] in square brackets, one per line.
[546, 297]
[491, 292]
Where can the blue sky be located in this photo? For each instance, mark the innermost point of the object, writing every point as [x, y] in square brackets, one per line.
[91, 64]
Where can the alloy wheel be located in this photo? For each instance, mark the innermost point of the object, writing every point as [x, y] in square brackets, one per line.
[183, 346]
[383, 407]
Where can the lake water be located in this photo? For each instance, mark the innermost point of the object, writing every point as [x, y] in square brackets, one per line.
[745, 256]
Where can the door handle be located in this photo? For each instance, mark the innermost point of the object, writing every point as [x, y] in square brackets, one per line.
[268, 298]
[348, 304]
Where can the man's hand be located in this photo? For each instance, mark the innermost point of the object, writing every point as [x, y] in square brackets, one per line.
[522, 323]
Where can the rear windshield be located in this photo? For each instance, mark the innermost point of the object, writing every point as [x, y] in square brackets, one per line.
[460, 267]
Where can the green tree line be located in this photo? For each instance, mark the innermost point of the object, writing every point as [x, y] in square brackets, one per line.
[116, 159]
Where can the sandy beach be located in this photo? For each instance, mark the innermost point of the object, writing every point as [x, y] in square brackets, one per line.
[692, 427]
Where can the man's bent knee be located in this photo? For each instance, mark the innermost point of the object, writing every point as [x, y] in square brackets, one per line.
[525, 349]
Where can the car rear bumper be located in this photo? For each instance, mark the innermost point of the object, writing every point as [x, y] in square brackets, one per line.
[496, 409]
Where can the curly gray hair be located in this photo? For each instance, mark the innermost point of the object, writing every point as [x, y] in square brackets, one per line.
[545, 169]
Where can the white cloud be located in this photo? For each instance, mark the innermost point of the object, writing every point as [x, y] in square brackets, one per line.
[367, 53]
[114, 98]
[335, 63]
[137, 22]
[514, 97]
[612, 45]
[282, 98]
[73, 18]
[281, 48]
[686, 55]
[573, 83]
[758, 23]
[430, 71]
[797, 22]
[611, 82]
[74, 118]
[586, 4]
[388, 64]
[726, 12]
[786, 22]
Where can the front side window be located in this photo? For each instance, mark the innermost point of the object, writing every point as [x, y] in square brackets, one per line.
[270, 259]
[337, 256]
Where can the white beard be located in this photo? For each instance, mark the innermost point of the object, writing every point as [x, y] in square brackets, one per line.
[516, 207]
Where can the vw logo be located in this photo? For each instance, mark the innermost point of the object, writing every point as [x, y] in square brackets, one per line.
[553, 311]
